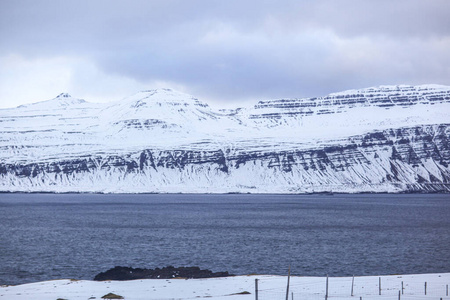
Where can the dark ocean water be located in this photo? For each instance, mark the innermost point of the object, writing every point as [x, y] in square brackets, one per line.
[49, 236]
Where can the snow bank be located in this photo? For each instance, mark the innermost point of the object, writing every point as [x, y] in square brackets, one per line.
[229, 288]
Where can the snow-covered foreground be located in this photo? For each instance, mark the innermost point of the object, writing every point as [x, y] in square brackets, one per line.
[228, 288]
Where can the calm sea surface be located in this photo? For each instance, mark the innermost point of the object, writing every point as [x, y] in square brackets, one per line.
[49, 236]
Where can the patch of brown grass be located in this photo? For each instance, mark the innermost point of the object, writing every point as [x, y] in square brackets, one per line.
[112, 296]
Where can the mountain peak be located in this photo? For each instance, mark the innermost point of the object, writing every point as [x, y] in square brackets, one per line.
[162, 97]
[166, 105]
[165, 93]
[159, 90]
[63, 95]
[63, 100]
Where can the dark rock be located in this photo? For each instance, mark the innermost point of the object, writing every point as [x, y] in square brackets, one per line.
[397, 153]
[127, 273]
[112, 296]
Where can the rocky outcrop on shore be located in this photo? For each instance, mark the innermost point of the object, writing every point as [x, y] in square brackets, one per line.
[169, 272]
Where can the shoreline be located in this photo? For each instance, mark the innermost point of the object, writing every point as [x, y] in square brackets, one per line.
[435, 285]
[232, 193]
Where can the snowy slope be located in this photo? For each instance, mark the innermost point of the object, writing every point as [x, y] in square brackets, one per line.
[240, 288]
[384, 139]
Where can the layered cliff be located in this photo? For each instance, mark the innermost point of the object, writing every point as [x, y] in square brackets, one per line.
[386, 139]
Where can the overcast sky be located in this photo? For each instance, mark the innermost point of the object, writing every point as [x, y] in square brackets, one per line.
[223, 51]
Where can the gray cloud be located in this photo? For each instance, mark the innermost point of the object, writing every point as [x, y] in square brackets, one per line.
[233, 50]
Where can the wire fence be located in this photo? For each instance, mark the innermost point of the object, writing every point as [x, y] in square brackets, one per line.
[363, 288]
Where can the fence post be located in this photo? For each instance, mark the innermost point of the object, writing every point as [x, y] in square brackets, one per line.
[446, 290]
[287, 288]
[256, 289]
[425, 288]
[402, 288]
[379, 285]
[326, 289]
[398, 295]
[353, 281]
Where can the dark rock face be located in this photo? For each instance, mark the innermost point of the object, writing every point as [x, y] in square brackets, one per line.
[177, 159]
[412, 159]
[127, 273]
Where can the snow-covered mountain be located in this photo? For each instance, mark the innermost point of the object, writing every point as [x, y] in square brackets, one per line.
[382, 139]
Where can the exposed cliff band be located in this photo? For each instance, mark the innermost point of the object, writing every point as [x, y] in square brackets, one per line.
[164, 141]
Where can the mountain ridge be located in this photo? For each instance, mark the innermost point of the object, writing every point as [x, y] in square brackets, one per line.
[166, 141]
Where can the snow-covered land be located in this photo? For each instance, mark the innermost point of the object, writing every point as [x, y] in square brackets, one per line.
[382, 139]
[234, 288]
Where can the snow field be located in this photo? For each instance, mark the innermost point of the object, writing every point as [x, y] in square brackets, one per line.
[231, 288]
[66, 127]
